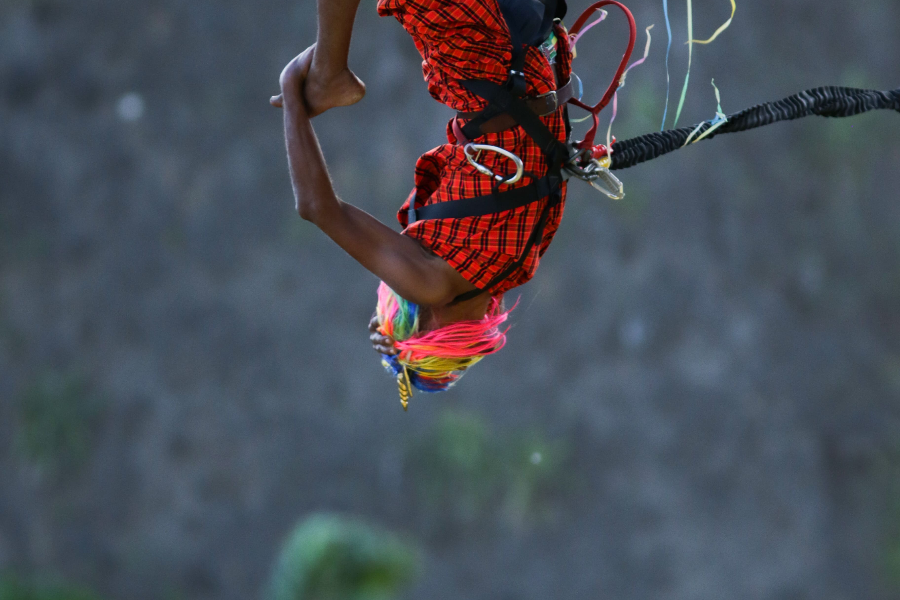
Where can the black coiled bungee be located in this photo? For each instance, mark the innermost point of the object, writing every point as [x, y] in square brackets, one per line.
[824, 101]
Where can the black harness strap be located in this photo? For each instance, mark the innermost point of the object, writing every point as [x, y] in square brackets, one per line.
[501, 100]
[509, 99]
[499, 97]
[549, 186]
[536, 237]
[489, 204]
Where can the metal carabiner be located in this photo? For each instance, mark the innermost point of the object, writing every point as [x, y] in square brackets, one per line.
[572, 169]
[520, 168]
[611, 186]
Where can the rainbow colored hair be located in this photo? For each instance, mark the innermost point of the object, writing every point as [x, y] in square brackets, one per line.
[435, 360]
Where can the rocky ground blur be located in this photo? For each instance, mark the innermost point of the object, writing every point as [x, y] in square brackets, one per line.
[700, 397]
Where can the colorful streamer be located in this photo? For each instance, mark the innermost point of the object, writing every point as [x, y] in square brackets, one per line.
[574, 38]
[720, 120]
[720, 29]
[687, 77]
[691, 41]
[641, 60]
[668, 50]
[622, 84]
[577, 36]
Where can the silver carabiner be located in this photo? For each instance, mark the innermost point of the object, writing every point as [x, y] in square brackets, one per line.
[572, 168]
[610, 184]
[520, 168]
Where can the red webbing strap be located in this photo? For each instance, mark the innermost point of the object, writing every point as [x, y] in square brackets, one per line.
[588, 140]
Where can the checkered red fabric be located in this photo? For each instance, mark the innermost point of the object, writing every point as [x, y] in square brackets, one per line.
[468, 39]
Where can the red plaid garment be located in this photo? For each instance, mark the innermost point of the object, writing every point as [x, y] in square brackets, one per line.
[468, 39]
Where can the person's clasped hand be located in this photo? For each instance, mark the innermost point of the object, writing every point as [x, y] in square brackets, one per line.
[291, 81]
[382, 344]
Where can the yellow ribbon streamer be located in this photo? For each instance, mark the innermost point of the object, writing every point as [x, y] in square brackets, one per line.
[691, 41]
[720, 29]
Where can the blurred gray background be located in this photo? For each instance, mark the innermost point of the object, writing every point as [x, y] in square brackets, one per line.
[700, 397]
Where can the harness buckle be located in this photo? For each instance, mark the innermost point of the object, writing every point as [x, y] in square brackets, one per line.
[555, 100]
[516, 83]
[476, 149]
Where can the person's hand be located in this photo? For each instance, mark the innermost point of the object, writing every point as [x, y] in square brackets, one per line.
[381, 343]
[292, 78]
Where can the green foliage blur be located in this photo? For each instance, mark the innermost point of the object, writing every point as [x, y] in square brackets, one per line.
[57, 418]
[893, 562]
[329, 557]
[463, 470]
[12, 588]
[892, 549]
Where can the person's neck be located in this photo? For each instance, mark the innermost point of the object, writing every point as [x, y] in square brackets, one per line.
[470, 310]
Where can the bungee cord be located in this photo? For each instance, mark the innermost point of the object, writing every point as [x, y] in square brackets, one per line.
[831, 101]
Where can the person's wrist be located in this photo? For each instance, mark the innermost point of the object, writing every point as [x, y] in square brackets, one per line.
[293, 99]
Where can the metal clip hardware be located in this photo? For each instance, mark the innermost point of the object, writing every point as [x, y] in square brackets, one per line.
[607, 183]
[596, 173]
[477, 149]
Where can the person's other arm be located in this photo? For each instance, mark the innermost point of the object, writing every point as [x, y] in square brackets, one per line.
[398, 260]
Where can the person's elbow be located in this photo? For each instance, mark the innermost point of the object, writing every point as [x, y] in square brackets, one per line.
[316, 213]
[307, 212]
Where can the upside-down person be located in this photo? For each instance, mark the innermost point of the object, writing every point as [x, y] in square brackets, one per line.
[469, 237]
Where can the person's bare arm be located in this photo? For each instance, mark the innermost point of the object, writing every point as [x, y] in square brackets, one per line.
[398, 260]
